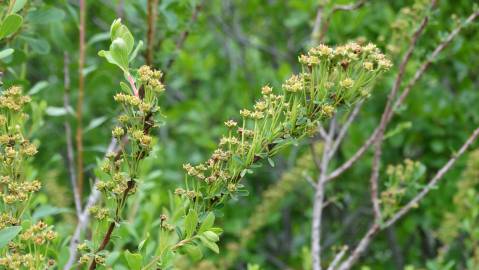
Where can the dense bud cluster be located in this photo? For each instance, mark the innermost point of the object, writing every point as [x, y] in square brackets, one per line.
[28, 250]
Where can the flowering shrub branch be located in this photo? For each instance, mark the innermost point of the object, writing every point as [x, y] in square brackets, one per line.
[332, 79]
[24, 244]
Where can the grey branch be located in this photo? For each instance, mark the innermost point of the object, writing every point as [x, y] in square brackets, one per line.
[344, 129]
[338, 258]
[68, 134]
[319, 198]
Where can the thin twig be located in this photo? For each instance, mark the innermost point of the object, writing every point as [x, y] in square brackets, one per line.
[325, 24]
[68, 134]
[338, 258]
[81, 93]
[316, 34]
[322, 132]
[362, 246]
[344, 129]
[319, 198]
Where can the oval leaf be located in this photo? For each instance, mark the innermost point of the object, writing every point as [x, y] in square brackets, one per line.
[7, 234]
[191, 221]
[10, 25]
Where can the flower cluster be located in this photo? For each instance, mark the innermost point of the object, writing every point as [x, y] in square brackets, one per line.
[403, 181]
[29, 248]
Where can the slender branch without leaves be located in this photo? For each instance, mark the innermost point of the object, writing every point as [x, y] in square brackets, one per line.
[319, 198]
[68, 135]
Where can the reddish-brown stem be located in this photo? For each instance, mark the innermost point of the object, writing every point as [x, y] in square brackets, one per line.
[151, 14]
[111, 227]
[81, 89]
[104, 242]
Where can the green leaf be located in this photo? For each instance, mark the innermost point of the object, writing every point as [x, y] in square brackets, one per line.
[10, 25]
[39, 86]
[48, 210]
[44, 16]
[7, 234]
[120, 31]
[211, 236]
[134, 260]
[95, 122]
[271, 162]
[6, 52]
[211, 245]
[194, 252]
[125, 88]
[19, 4]
[56, 111]
[207, 223]
[119, 53]
[38, 45]
[137, 49]
[191, 221]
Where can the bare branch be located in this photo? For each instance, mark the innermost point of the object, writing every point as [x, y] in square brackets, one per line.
[344, 129]
[346, 165]
[316, 34]
[322, 132]
[325, 25]
[338, 258]
[319, 198]
[362, 246]
[375, 228]
[68, 134]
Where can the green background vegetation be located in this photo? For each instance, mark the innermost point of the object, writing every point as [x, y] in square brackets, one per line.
[232, 49]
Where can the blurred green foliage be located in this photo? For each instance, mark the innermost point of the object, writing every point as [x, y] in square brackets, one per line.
[231, 50]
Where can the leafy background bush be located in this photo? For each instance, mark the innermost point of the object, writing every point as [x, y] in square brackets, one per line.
[216, 56]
